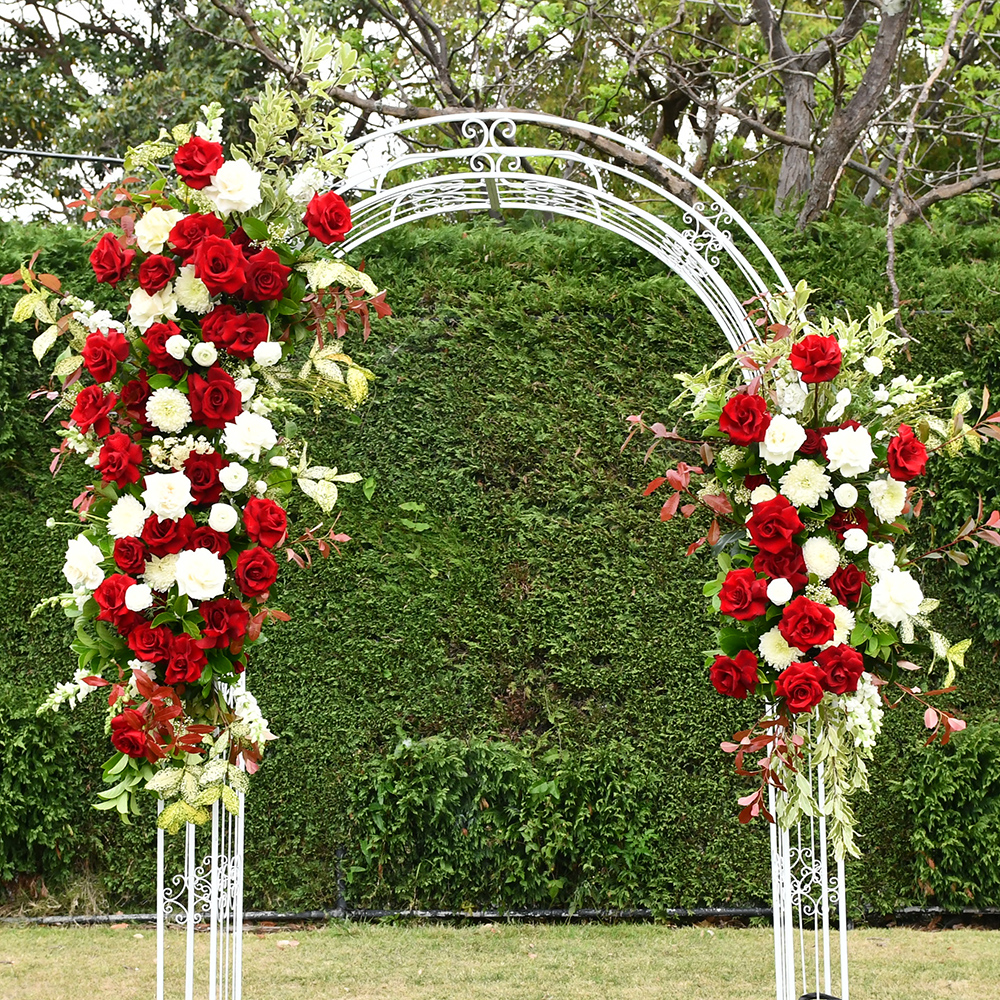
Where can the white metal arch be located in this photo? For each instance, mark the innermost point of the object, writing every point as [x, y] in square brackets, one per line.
[393, 182]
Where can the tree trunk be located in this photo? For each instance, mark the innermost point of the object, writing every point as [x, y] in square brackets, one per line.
[795, 174]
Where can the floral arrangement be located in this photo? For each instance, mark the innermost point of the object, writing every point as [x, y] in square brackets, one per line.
[183, 407]
[811, 469]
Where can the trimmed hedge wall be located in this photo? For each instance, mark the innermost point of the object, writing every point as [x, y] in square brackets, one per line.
[496, 695]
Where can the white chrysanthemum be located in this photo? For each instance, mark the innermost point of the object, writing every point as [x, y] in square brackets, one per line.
[267, 353]
[138, 597]
[873, 365]
[160, 572]
[200, 573]
[305, 184]
[855, 540]
[168, 410]
[153, 228]
[167, 494]
[234, 476]
[762, 493]
[888, 498]
[779, 591]
[248, 436]
[895, 596]
[191, 292]
[205, 353]
[145, 309]
[821, 556]
[235, 188]
[882, 557]
[82, 567]
[846, 494]
[222, 517]
[177, 346]
[126, 518]
[849, 451]
[805, 483]
[782, 440]
[776, 652]
[843, 624]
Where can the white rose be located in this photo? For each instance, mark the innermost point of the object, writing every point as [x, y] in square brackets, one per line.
[267, 353]
[126, 518]
[762, 493]
[153, 228]
[138, 597]
[176, 346]
[779, 591]
[168, 410]
[167, 494]
[235, 188]
[846, 494]
[222, 517]
[873, 365]
[246, 387]
[82, 567]
[782, 440]
[821, 557]
[201, 574]
[191, 292]
[849, 451]
[205, 354]
[145, 310]
[882, 557]
[855, 540]
[248, 436]
[895, 596]
[888, 498]
[234, 476]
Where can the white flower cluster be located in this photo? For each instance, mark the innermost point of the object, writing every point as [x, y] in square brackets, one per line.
[248, 712]
[863, 711]
[172, 452]
[67, 693]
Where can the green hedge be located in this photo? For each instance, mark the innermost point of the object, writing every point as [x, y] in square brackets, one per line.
[498, 698]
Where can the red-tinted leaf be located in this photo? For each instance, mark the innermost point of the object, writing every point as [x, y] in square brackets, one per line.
[779, 331]
[340, 537]
[688, 509]
[97, 682]
[678, 478]
[50, 281]
[694, 546]
[10, 279]
[989, 535]
[718, 502]
[668, 510]
[144, 683]
[294, 557]
[729, 747]
[654, 485]
[930, 718]
[714, 534]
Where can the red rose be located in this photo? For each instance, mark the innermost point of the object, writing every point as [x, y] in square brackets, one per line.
[110, 262]
[214, 326]
[185, 661]
[844, 520]
[817, 359]
[192, 229]
[256, 571]
[788, 564]
[244, 332]
[815, 442]
[156, 272]
[745, 419]
[215, 400]
[197, 160]
[743, 596]
[801, 685]
[119, 460]
[155, 339]
[127, 734]
[265, 521]
[328, 218]
[773, 524]
[110, 596]
[208, 538]
[102, 352]
[907, 456]
[239, 238]
[734, 678]
[805, 623]
[167, 537]
[203, 471]
[91, 410]
[150, 644]
[220, 265]
[226, 622]
[750, 483]
[130, 555]
[844, 666]
[846, 584]
[267, 277]
[134, 396]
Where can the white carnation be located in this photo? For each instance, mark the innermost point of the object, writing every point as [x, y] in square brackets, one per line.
[145, 309]
[82, 567]
[791, 397]
[138, 597]
[248, 436]
[235, 188]
[895, 596]
[305, 184]
[782, 440]
[267, 353]
[821, 556]
[191, 292]
[167, 494]
[153, 228]
[168, 410]
[126, 518]
[160, 572]
[888, 498]
[176, 346]
[849, 451]
[762, 493]
[205, 353]
[846, 494]
[882, 557]
[234, 476]
[222, 517]
[200, 573]
[776, 652]
[779, 591]
[855, 540]
[805, 483]
[873, 365]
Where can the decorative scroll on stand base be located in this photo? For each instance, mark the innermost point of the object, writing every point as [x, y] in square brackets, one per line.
[208, 894]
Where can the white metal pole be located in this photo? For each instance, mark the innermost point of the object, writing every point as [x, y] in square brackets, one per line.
[160, 904]
[189, 866]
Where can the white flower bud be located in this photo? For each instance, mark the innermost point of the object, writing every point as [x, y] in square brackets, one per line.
[138, 597]
[779, 591]
[176, 346]
[855, 540]
[205, 353]
[267, 353]
[846, 495]
[222, 517]
[234, 476]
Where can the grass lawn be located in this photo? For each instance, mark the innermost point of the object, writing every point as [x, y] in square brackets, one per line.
[496, 962]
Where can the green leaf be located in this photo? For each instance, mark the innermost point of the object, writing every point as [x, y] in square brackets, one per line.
[255, 229]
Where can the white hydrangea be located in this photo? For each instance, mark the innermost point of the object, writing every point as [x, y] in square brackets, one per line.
[888, 498]
[167, 494]
[792, 396]
[776, 652]
[821, 557]
[168, 410]
[248, 436]
[160, 572]
[126, 517]
[782, 440]
[896, 596]
[806, 483]
[305, 184]
[145, 309]
[82, 567]
[191, 292]
[235, 188]
[849, 451]
[200, 574]
[153, 228]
